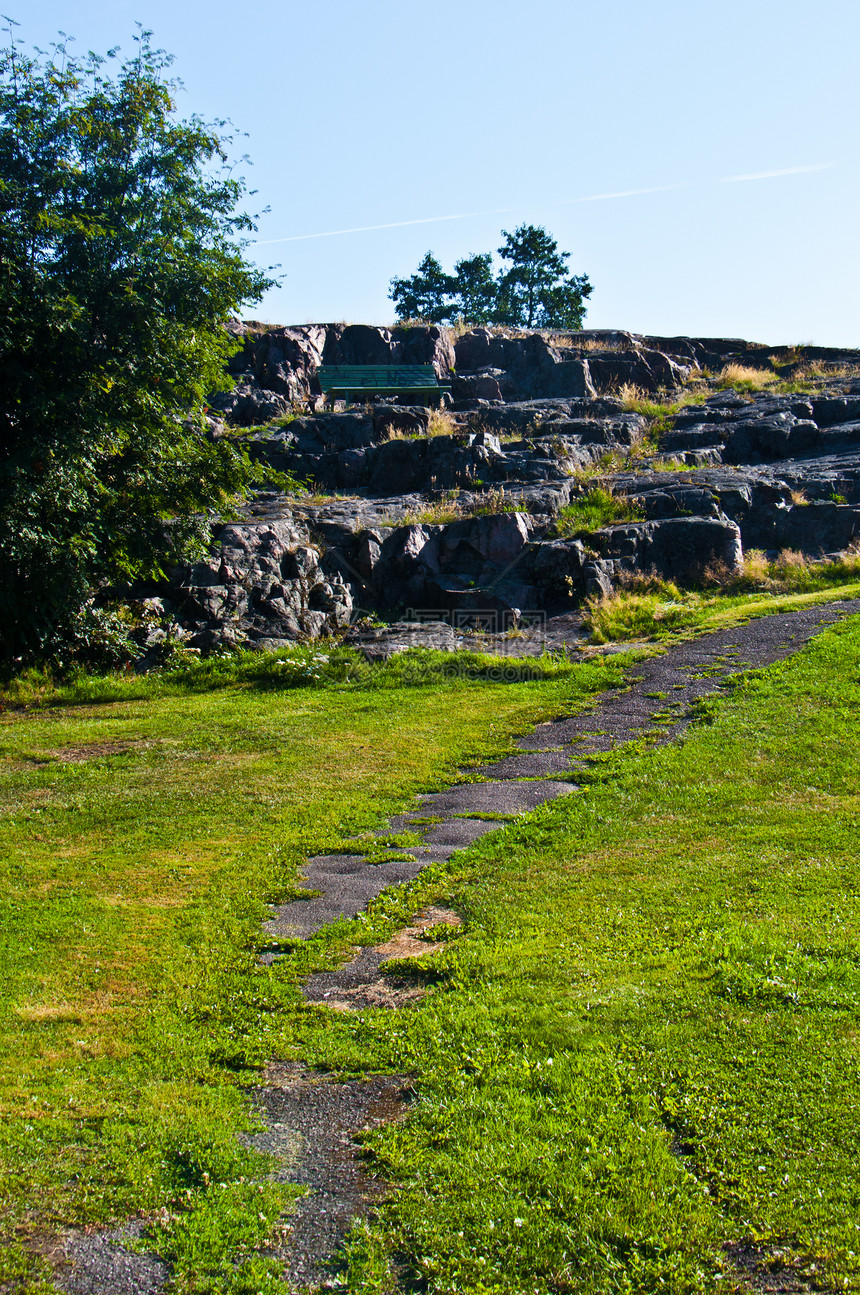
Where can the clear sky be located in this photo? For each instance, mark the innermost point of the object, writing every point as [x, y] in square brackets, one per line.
[699, 161]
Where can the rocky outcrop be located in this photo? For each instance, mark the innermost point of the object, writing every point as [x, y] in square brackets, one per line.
[285, 360]
[681, 549]
[487, 367]
[386, 449]
[360, 344]
[264, 585]
[450, 517]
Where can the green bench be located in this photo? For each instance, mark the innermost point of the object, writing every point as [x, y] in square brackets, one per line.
[348, 380]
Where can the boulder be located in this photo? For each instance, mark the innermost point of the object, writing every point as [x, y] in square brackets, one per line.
[427, 345]
[558, 567]
[361, 344]
[648, 370]
[286, 360]
[813, 529]
[483, 545]
[532, 367]
[761, 439]
[440, 463]
[400, 420]
[831, 410]
[491, 385]
[677, 548]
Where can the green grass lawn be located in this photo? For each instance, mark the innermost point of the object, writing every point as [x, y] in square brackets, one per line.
[640, 1052]
[145, 825]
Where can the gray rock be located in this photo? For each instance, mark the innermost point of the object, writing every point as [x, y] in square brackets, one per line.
[263, 580]
[286, 359]
[249, 404]
[830, 410]
[361, 344]
[769, 471]
[677, 548]
[650, 370]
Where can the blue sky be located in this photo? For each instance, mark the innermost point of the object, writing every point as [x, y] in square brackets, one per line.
[379, 130]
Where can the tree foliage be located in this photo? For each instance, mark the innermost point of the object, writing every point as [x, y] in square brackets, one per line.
[121, 259]
[475, 288]
[532, 290]
[425, 294]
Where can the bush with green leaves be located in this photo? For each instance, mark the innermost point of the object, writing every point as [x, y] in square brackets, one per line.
[121, 259]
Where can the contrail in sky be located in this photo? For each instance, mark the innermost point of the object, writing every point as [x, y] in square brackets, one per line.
[394, 224]
[565, 202]
[623, 193]
[768, 175]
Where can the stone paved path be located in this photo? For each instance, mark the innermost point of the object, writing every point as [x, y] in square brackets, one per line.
[656, 705]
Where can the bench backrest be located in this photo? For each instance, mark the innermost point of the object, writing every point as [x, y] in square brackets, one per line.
[375, 377]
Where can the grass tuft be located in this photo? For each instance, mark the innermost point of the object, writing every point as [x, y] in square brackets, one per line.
[741, 377]
[596, 508]
[646, 607]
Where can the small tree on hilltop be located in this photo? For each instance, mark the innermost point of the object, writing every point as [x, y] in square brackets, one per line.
[534, 292]
[121, 259]
[425, 295]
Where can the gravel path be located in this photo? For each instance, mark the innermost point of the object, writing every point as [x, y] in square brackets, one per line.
[656, 706]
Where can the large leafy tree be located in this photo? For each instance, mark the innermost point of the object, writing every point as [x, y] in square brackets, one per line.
[535, 291]
[532, 290]
[121, 259]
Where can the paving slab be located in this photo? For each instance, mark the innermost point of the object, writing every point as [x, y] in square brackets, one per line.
[345, 892]
[459, 832]
[310, 1124]
[532, 764]
[502, 797]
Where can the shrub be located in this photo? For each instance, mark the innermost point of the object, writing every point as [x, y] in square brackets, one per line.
[122, 260]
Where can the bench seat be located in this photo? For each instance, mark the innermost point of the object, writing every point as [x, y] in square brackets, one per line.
[380, 380]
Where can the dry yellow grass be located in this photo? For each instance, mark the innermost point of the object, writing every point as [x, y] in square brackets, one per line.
[576, 342]
[631, 396]
[743, 376]
[442, 423]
